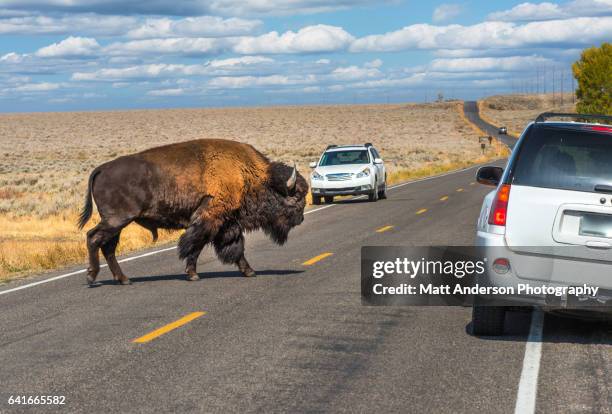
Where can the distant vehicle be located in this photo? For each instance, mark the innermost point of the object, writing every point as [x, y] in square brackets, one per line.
[348, 170]
[549, 221]
[503, 130]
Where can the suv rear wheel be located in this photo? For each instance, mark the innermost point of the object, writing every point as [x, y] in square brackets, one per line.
[329, 199]
[488, 320]
[316, 200]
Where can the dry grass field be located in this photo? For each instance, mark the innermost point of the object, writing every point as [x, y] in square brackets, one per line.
[516, 111]
[47, 158]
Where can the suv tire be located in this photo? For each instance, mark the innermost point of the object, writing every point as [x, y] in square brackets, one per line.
[316, 200]
[382, 194]
[329, 199]
[373, 196]
[488, 320]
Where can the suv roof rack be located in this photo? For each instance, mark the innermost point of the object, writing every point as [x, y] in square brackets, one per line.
[542, 117]
[368, 144]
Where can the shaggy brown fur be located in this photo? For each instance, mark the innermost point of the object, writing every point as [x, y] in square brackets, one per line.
[215, 189]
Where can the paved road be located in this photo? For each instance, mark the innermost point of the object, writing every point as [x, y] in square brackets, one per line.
[296, 338]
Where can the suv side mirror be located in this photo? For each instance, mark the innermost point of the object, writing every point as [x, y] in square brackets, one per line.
[378, 161]
[489, 175]
[313, 164]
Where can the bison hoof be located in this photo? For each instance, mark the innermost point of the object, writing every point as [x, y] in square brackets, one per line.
[91, 281]
[125, 281]
[249, 273]
[193, 277]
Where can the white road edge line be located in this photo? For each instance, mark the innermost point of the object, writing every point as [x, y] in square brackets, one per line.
[128, 259]
[528, 385]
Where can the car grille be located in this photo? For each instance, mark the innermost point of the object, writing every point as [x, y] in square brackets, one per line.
[339, 177]
[342, 190]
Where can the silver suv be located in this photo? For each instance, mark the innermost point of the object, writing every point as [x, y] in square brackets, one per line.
[549, 220]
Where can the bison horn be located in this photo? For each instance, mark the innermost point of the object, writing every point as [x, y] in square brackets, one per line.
[292, 180]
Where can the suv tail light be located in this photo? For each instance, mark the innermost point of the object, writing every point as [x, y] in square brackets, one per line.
[499, 208]
[600, 128]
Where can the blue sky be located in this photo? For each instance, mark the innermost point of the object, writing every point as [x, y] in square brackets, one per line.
[58, 55]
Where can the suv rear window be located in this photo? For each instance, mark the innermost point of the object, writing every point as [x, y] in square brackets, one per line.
[564, 159]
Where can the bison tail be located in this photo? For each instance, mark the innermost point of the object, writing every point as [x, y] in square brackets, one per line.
[88, 207]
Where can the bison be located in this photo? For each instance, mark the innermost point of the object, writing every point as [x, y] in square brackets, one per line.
[215, 189]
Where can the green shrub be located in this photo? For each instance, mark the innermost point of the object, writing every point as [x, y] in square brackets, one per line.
[594, 75]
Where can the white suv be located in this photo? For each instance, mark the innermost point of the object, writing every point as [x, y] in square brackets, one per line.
[348, 170]
[549, 221]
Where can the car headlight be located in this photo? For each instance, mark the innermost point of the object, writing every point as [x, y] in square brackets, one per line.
[316, 176]
[364, 173]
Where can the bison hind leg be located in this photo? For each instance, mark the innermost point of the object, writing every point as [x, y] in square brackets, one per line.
[106, 236]
[108, 249]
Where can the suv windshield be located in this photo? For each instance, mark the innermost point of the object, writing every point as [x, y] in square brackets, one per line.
[564, 159]
[344, 157]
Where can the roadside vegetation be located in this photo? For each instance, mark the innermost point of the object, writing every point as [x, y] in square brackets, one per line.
[47, 158]
[593, 71]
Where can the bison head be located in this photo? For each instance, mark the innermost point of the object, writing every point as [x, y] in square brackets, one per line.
[287, 198]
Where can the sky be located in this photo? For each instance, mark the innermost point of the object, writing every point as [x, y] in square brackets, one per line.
[66, 55]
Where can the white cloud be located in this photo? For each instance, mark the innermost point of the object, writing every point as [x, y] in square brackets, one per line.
[167, 92]
[172, 46]
[490, 35]
[189, 7]
[412, 80]
[376, 63]
[162, 70]
[11, 57]
[69, 24]
[138, 72]
[239, 62]
[550, 11]
[237, 82]
[446, 12]
[508, 64]
[36, 87]
[70, 47]
[354, 73]
[310, 39]
[202, 26]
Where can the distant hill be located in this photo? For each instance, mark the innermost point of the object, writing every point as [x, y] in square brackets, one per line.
[516, 111]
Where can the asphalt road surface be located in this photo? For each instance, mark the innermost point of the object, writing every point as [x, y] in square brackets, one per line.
[296, 338]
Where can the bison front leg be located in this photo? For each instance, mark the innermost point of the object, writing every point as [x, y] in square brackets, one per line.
[229, 246]
[190, 246]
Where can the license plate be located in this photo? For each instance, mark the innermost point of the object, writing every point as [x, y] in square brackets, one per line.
[596, 225]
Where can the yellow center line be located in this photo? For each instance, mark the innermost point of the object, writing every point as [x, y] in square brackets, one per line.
[316, 259]
[421, 211]
[444, 198]
[384, 229]
[459, 190]
[167, 328]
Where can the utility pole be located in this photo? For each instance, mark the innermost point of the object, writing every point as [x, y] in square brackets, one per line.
[562, 87]
[553, 85]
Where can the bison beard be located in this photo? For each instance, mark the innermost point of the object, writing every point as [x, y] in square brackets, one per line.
[215, 189]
